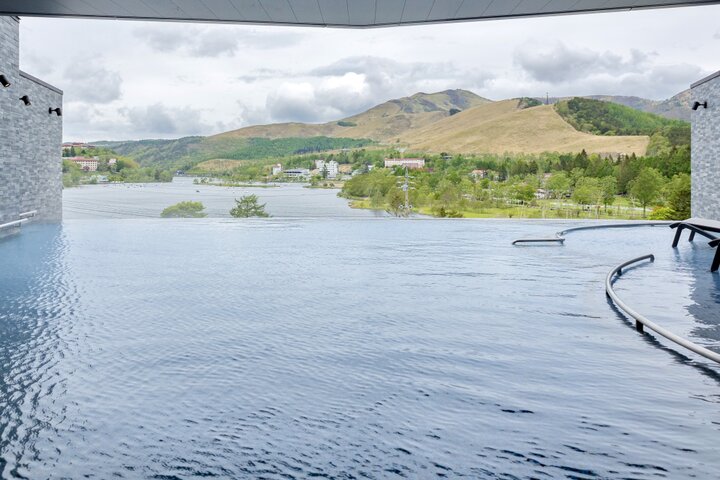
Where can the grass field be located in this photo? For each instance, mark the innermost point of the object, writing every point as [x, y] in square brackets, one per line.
[622, 209]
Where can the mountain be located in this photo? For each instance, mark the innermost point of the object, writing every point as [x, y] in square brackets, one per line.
[453, 121]
[505, 127]
[379, 123]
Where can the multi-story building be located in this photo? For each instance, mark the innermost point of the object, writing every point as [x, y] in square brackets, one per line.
[331, 168]
[86, 164]
[409, 163]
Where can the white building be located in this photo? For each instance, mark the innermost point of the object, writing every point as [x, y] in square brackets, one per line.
[86, 164]
[410, 163]
[277, 169]
[331, 167]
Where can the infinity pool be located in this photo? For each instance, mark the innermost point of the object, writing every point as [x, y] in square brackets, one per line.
[351, 348]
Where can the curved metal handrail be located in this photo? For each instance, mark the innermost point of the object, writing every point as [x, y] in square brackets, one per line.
[560, 236]
[614, 225]
[641, 321]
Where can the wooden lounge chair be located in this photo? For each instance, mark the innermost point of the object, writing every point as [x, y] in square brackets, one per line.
[701, 226]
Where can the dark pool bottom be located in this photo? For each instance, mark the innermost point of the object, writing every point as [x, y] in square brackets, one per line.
[350, 349]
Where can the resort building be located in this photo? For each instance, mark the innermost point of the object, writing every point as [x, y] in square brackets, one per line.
[328, 169]
[86, 164]
[409, 163]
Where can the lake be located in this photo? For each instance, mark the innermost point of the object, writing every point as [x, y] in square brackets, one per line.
[288, 200]
[336, 343]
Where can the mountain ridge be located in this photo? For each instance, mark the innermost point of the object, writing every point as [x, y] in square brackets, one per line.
[456, 120]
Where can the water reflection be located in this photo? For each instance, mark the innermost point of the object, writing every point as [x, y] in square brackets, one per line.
[342, 348]
[35, 306]
[705, 295]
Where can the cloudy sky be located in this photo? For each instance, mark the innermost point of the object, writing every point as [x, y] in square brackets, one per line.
[132, 80]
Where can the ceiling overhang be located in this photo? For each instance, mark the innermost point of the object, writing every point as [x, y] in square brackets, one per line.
[330, 13]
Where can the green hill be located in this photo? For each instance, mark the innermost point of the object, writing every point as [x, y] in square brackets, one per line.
[187, 152]
[676, 107]
[611, 119]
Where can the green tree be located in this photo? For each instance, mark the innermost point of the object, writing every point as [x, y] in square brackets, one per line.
[124, 163]
[248, 206]
[558, 184]
[609, 189]
[395, 202]
[588, 191]
[679, 196]
[646, 187]
[71, 174]
[184, 210]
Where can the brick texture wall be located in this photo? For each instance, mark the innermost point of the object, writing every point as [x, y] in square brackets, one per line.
[30, 138]
[706, 149]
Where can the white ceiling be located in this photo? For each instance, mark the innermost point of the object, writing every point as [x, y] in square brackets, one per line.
[337, 13]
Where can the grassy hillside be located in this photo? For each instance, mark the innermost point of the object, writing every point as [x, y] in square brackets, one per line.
[155, 152]
[606, 118]
[379, 123]
[675, 108]
[187, 152]
[508, 127]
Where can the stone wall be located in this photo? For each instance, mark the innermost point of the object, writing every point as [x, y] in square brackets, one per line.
[706, 149]
[30, 138]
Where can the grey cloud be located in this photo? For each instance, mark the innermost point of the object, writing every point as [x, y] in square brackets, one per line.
[561, 63]
[717, 35]
[160, 120]
[197, 41]
[90, 82]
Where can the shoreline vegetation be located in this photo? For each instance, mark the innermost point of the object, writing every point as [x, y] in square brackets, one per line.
[527, 181]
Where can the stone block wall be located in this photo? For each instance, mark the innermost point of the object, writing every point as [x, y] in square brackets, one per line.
[30, 138]
[706, 149]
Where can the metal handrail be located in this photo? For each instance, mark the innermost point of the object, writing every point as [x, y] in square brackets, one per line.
[560, 236]
[614, 225]
[29, 214]
[641, 321]
[14, 223]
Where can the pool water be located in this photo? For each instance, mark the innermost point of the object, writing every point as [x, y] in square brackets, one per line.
[351, 348]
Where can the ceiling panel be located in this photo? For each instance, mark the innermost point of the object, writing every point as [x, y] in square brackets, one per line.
[335, 12]
[444, 9]
[252, 10]
[362, 12]
[416, 10]
[307, 11]
[389, 12]
[279, 11]
[350, 13]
